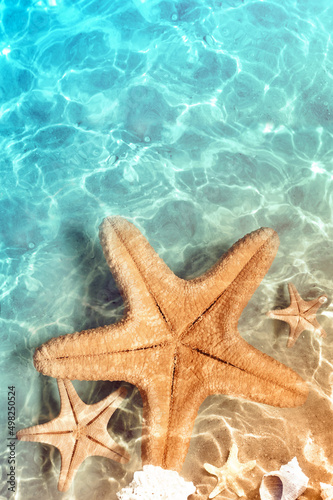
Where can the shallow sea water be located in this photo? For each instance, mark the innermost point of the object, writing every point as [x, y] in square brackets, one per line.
[199, 121]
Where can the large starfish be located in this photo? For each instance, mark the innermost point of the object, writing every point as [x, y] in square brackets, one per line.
[300, 315]
[79, 431]
[228, 474]
[178, 342]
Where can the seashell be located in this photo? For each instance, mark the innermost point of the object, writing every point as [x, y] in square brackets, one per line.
[288, 483]
[156, 483]
[326, 491]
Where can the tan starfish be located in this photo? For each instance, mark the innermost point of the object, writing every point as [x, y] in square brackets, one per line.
[79, 431]
[227, 475]
[300, 315]
[178, 342]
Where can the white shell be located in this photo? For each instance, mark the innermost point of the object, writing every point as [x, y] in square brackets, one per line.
[288, 483]
[326, 491]
[156, 483]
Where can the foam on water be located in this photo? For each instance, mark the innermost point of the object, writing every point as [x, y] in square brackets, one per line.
[199, 121]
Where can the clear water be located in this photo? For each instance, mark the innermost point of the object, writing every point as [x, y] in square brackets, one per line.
[199, 121]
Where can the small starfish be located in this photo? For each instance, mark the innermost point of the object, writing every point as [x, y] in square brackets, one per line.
[226, 475]
[79, 431]
[301, 315]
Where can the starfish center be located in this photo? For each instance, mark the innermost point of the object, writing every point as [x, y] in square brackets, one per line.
[80, 431]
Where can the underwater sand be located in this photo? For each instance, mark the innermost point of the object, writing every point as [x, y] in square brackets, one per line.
[198, 121]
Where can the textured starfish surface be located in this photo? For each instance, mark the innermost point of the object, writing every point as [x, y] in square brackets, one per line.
[228, 474]
[300, 315]
[178, 341]
[80, 431]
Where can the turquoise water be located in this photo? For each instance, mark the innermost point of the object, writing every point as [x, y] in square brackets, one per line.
[197, 120]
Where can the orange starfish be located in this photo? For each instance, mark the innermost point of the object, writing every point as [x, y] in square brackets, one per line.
[178, 342]
[300, 315]
[79, 431]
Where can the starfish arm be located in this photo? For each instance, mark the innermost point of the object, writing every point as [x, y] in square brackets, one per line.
[295, 298]
[55, 433]
[155, 428]
[297, 326]
[246, 372]
[97, 414]
[308, 323]
[221, 482]
[235, 465]
[231, 282]
[282, 314]
[248, 260]
[218, 489]
[96, 420]
[86, 446]
[291, 313]
[233, 454]
[314, 305]
[212, 469]
[76, 357]
[291, 340]
[70, 401]
[131, 257]
[133, 260]
[246, 272]
[48, 432]
[263, 241]
[70, 462]
[248, 466]
[313, 325]
[62, 357]
[233, 485]
[167, 445]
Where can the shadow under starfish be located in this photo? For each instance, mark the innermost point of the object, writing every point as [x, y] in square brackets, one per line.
[178, 342]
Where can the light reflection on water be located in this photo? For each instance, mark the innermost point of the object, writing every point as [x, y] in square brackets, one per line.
[199, 121]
